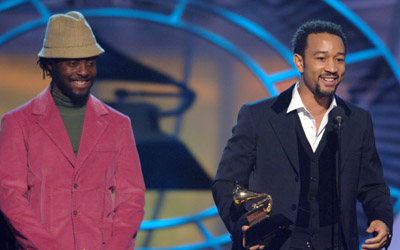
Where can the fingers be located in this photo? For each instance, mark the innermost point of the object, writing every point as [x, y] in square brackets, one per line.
[376, 242]
[372, 246]
[377, 226]
[256, 247]
[244, 228]
[380, 231]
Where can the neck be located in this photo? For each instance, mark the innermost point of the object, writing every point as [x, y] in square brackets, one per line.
[316, 105]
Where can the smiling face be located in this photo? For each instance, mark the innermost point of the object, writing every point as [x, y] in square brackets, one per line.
[323, 66]
[74, 77]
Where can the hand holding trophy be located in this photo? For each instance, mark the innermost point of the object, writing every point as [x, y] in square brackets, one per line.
[264, 229]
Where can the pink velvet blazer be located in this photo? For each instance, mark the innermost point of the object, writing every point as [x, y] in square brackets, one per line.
[54, 200]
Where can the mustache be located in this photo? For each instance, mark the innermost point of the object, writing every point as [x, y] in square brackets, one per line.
[82, 79]
[330, 75]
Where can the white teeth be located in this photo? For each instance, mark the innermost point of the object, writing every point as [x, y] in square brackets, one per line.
[80, 82]
[328, 79]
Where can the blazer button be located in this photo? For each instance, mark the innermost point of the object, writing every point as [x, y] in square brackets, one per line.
[75, 212]
[293, 207]
[76, 185]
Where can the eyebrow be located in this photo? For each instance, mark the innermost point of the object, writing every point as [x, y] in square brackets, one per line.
[325, 52]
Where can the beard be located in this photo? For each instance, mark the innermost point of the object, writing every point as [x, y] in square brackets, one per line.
[321, 93]
[76, 99]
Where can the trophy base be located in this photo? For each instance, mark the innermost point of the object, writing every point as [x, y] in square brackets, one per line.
[272, 230]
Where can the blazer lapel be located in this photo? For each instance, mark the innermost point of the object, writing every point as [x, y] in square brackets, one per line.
[93, 128]
[284, 126]
[346, 133]
[49, 119]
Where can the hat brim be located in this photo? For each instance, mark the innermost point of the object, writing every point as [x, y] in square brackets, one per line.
[72, 52]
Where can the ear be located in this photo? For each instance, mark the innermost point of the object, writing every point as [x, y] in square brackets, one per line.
[50, 66]
[299, 62]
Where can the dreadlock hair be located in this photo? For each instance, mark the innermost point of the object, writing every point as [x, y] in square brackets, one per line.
[44, 65]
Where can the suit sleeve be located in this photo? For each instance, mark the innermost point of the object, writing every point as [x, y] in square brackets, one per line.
[236, 164]
[29, 232]
[373, 192]
[129, 194]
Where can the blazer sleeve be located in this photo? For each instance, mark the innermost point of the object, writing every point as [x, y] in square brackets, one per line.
[373, 192]
[29, 232]
[129, 193]
[236, 164]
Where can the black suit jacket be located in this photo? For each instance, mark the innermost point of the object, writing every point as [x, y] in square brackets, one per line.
[262, 155]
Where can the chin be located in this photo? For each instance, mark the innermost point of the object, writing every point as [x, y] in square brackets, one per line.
[79, 99]
[325, 92]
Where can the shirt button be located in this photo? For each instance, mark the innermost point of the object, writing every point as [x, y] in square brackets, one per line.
[76, 185]
[75, 212]
[313, 179]
[314, 159]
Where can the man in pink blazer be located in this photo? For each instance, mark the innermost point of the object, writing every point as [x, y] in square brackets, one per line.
[70, 175]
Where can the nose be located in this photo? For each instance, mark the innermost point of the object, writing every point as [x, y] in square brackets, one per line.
[331, 66]
[83, 70]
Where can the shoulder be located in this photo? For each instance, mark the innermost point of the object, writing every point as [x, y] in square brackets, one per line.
[22, 110]
[270, 106]
[112, 115]
[352, 110]
[356, 119]
[257, 108]
[277, 104]
[262, 104]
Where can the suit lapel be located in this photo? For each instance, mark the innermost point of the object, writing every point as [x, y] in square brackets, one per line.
[283, 125]
[93, 128]
[346, 133]
[49, 119]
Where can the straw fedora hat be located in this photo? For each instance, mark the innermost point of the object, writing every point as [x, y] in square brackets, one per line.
[69, 36]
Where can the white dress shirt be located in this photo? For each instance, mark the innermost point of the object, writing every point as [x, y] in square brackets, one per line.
[307, 120]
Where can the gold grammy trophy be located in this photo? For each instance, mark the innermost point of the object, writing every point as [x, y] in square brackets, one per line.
[264, 228]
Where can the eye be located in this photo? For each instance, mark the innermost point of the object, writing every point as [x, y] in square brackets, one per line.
[321, 58]
[73, 63]
[340, 59]
[92, 63]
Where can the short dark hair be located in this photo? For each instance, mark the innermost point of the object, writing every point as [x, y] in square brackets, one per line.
[299, 41]
[44, 65]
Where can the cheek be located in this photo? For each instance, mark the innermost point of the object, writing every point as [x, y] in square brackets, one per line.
[311, 74]
[65, 73]
[342, 70]
[94, 72]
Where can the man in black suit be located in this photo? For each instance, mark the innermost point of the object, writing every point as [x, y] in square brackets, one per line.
[286, 146]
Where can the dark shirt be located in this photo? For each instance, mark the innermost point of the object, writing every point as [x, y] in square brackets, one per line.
[72, 115]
